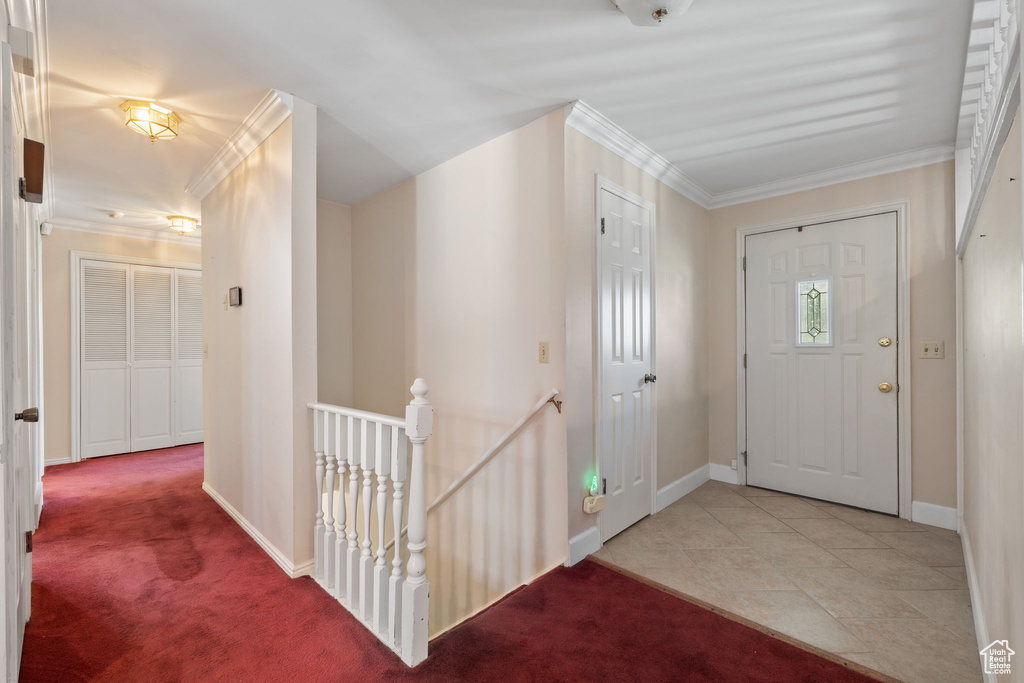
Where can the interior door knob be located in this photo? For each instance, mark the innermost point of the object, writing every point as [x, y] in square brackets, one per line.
[650, 379]
[29, 415]
[885, 387]
[885, 341]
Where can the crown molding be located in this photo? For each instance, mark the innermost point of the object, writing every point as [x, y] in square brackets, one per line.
[123, 231]
[264, 119]
[840, 174]
[599, 128]
[587, 120]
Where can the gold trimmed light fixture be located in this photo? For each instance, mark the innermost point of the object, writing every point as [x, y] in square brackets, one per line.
[151, 120]
[183, 224]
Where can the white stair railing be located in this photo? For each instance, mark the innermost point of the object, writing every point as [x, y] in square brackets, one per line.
[352, 566]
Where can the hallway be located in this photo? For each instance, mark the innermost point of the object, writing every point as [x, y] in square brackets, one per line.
[139, 576]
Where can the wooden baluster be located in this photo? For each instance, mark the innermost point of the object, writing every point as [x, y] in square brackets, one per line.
[340, 542]
[419, 417]
[318, 528]
[330, 452]
[380, 569]
[353, 534]
[365, 558]
[398, 466]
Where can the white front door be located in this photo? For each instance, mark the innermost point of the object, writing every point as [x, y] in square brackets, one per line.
[821, 325]
[625, 395]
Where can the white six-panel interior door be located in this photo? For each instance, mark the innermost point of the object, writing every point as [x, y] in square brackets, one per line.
[625, 397]
[821, 345]
[141, 357]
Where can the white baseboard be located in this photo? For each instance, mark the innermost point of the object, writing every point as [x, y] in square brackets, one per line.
[584, 544]
[683, 485]
[294, 571]
[980, 628]
[933, 515]
[724, 473]
[58, 461]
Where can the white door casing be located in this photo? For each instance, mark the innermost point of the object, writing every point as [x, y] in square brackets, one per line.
[625, 327]
[817, 423]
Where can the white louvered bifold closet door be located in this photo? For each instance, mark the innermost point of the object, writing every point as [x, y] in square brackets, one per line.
[189, 344]
[152, 359]
[105, 397]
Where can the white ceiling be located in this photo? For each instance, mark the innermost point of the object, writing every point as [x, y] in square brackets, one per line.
[736, 93]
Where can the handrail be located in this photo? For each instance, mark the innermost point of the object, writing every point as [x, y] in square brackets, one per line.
[487, 457]
[389, 420]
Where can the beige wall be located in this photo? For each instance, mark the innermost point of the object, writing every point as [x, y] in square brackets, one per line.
[259, 232]
[57, 248]
[458, 275]
[334, 302]
[681, 274]
[932, 311]
[994, 401]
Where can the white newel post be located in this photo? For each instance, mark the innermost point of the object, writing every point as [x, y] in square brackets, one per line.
[318, 530]
[330, 452]
[419, 418]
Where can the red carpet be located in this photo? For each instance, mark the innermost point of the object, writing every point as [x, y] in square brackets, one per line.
[140, 576]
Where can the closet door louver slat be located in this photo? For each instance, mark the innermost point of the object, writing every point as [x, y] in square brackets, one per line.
[105, 314]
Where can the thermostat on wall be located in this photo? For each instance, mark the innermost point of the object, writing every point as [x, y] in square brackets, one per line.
[235, 296]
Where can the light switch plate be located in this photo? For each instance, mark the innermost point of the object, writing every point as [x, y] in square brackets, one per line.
[544, 352]
[932, 350]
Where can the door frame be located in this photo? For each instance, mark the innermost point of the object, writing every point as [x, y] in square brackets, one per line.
[602, 183]
[904, 348]
[76, 321]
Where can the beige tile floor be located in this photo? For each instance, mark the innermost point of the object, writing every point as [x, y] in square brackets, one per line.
[884, 592]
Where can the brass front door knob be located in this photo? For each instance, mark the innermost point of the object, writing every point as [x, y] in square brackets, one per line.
[885, 387]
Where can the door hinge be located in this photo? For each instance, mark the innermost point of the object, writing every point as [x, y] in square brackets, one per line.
[28, 541]
[744, 264]
[604, 487]
[744, 361]
[602, 226]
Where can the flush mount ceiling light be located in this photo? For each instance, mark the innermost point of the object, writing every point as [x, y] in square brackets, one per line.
[652, 12]
[183, 224]
[151, 120]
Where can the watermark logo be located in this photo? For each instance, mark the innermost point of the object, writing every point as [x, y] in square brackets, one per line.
[996, 657]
